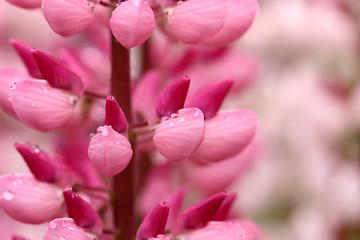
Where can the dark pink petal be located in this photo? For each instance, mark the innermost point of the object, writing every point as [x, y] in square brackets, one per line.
[154, 222]
[82, 212]
[209, 99]
[65, 228]
[199, 214]
[224, 209]
[240, 16]
[227, 134]
[57, 74]
[27, 57]
[172, 98]
[235, 230]
[178, 137]
[17, 237]
[132, 23]
[67, 17]
[26, 200]
[195, 21]
[114, 116]
[40, 106]
[7, 79]
[26, 3]
[110, 151]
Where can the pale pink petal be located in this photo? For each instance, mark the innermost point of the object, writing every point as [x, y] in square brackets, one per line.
[26, 3]
[7, 78]
[178, 137]
[40, 106]
[110, 151]
[67, 17]
[194, 21]
[26, 200]
[227, 134]
[240, 16]
[132, 23]
[160, 237]
[235, 230]
[66, 229]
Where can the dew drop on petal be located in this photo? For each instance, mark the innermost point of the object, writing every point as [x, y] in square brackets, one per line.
[72, 227]
[196, 114]
[52, 225]
[91, 135]
[105, 132]
[7, 195]
[173, 115]
[63, 224]
[99, 129]
[181, 119]
[36, 149]
[171, 124]
[9, 97]
[13, 86]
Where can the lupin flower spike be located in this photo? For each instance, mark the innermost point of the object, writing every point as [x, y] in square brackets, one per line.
[154, 222]
[82, 212]
[114, 116]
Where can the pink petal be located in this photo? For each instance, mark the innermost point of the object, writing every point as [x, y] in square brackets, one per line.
[160, 237]
[172, 98]
[132, 23]
[26, 3]
[224, 209]
[7, 78]
[65, 228]
[67, 17]
[194, 21]
[82, 212]
[40, 106]
[110, 151]
[27, 200]
[114, 116]
[235, 230]
[178, 137]
[240, 16]
[227, 134]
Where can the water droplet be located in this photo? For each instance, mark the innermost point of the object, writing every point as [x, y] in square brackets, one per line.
[44, 88]
[33, 104]
[181, 119]
[7, 195]
[73, 100]
[63, 224]
[171, 124]
[72, 227]
[52, 225]
[92, 5]
[196, 114]
[13, 86]
[105, 132]
[117, 143]
[36, 149]
[100, 129]
[91, 135]
[173, 115]
[9, 97]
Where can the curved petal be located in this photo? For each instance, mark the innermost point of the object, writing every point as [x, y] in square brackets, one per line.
[26, 3]
[27, 200]
[240, 16]
[193, 22]
[178, 137]
[67, 17]
[40, 106]
[65, 228]
[110, 151]
[226, 134]
[132, 23]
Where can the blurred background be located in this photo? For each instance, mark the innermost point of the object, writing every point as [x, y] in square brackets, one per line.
[305, 182]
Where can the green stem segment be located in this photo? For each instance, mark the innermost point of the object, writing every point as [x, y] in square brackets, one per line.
[123, 200]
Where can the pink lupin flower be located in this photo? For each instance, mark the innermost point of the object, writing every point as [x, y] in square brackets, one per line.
[67, 17]
[240, 15]
[109, 151]
[26, 3]
[26, 200]
[40, 106]
[82, 212]
[154, 222]
[226, 134]
[178, 137]
[65, 228]
[132, 23]
[195, 21]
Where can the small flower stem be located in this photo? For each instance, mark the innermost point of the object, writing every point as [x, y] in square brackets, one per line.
[123, 200]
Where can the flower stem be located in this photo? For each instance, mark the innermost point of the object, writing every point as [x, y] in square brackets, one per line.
[123, 200]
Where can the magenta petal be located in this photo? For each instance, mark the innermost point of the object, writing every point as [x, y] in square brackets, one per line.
[82, 212]
[40, 106]
[114, 116]
[65, 228]
[27, 200]
[193, 22]
[17, 237]
[154, 222]
[172, 98]
[57, 74]
[209, 99]
[178, 137]
[227, 134]
[67, 17]
[26, 3]
[199, 214]
[24, 52]
[7, 79]
[224, 209]
[132, 22]
[110, 151]
[240, 16]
